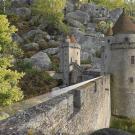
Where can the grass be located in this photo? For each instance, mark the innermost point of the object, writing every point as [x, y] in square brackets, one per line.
[125, 124]
[55, 62]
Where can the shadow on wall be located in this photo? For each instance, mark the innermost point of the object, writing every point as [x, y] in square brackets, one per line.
[106, 131]
[109, 131]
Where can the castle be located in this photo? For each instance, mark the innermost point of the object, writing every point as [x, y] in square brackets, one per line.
[85, 106]
[118, 58]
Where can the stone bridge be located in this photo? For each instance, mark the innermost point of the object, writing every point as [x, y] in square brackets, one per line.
[78, 109]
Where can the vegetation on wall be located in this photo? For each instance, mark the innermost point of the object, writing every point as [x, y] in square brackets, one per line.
[9, 79]
[123, 123]
[103, 26]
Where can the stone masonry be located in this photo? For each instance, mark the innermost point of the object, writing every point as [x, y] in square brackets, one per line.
[83, 109]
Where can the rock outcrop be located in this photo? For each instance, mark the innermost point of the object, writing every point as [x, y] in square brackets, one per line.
[40, 61]
[82, 23]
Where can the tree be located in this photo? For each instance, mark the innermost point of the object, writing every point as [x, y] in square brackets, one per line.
[9, 90]
[52, 10]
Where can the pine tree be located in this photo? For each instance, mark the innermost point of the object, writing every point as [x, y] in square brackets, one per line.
[9, 90]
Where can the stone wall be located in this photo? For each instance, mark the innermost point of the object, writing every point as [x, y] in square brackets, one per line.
[82, 109]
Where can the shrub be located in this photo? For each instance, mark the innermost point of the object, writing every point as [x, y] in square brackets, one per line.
[9, 90]
[98, 53]
[86, 61]
[52, 11]
[103, 26]
[55, 60]
[4, 5]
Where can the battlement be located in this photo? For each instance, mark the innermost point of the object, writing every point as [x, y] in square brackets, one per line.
[123, 46]
[71, 45]
[81, 108]
[121, 38]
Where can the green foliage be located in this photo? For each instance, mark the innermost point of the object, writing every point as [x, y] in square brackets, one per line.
[111, 4]
[4, 5]
[86, 61]
[98, 53]
[103, 26]
[55, 60]
[52, 10]
[9, 90]
[24, 66]
[123, 123]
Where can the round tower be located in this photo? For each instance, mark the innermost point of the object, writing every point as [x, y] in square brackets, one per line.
[119, 61]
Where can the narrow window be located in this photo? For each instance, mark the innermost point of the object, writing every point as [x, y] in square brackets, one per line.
[126, 39]
[71, 59]
[131, 79]
[108, 40]
[132, 59]
[76, 61]
[77, 53]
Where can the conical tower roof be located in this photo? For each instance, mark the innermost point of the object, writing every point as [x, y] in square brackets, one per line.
[124, 25]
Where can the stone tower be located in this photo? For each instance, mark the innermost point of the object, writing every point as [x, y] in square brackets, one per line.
[119, 61]
[69, 54]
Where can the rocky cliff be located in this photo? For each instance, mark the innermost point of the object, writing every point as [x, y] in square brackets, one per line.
[35, 40]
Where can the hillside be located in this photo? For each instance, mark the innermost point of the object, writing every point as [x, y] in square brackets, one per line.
[40, 41]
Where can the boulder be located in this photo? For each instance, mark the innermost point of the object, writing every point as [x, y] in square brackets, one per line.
[94, 10]
[36, 35]
[23, 12]
[31, 47]
[51, 51]
[100, 12]
[41, 61]
[80, 16]
[88, 7]
[53, 43]
[18, 3]
[69, 7]
[74, 23]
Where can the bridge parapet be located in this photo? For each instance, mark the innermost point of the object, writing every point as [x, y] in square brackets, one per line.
[77, 109]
